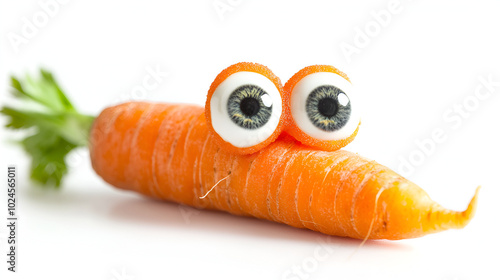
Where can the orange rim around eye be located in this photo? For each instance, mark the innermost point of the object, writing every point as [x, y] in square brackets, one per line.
[225, 74]
[293, 129]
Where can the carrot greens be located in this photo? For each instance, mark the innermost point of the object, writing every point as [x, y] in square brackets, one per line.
[50, 123]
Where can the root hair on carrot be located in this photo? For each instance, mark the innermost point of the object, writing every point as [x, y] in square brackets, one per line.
[202, 197]
[371, 223]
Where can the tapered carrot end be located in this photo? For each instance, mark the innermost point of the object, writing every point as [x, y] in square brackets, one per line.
[443, 219]
[406, 211]
[463, 218]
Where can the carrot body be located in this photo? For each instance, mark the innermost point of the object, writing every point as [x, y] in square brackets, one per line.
[166, 151]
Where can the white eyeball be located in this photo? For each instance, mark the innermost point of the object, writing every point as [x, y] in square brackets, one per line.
[322, 106]
[245, 109]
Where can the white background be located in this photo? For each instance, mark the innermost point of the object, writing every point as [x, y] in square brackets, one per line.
[428, 58]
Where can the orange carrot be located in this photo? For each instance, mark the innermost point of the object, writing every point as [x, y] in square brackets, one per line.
[337, 193]
[285, 170]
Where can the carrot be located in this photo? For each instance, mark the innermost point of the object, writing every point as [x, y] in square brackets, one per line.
[337, 193]
[171, 152]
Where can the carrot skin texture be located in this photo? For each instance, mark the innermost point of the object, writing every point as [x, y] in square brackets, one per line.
[166, 151]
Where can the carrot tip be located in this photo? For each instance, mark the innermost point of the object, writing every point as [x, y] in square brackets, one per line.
[469, 213]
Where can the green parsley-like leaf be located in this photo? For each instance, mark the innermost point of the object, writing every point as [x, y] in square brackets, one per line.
[51, 132]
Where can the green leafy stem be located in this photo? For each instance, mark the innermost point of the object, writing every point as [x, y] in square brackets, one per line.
[51, 125]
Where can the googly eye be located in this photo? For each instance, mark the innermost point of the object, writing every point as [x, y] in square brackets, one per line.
[249, 106]
[322, 107]
[244, 107]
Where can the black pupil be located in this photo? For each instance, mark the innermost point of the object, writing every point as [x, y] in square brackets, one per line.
[249, 106]
[327, 107]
